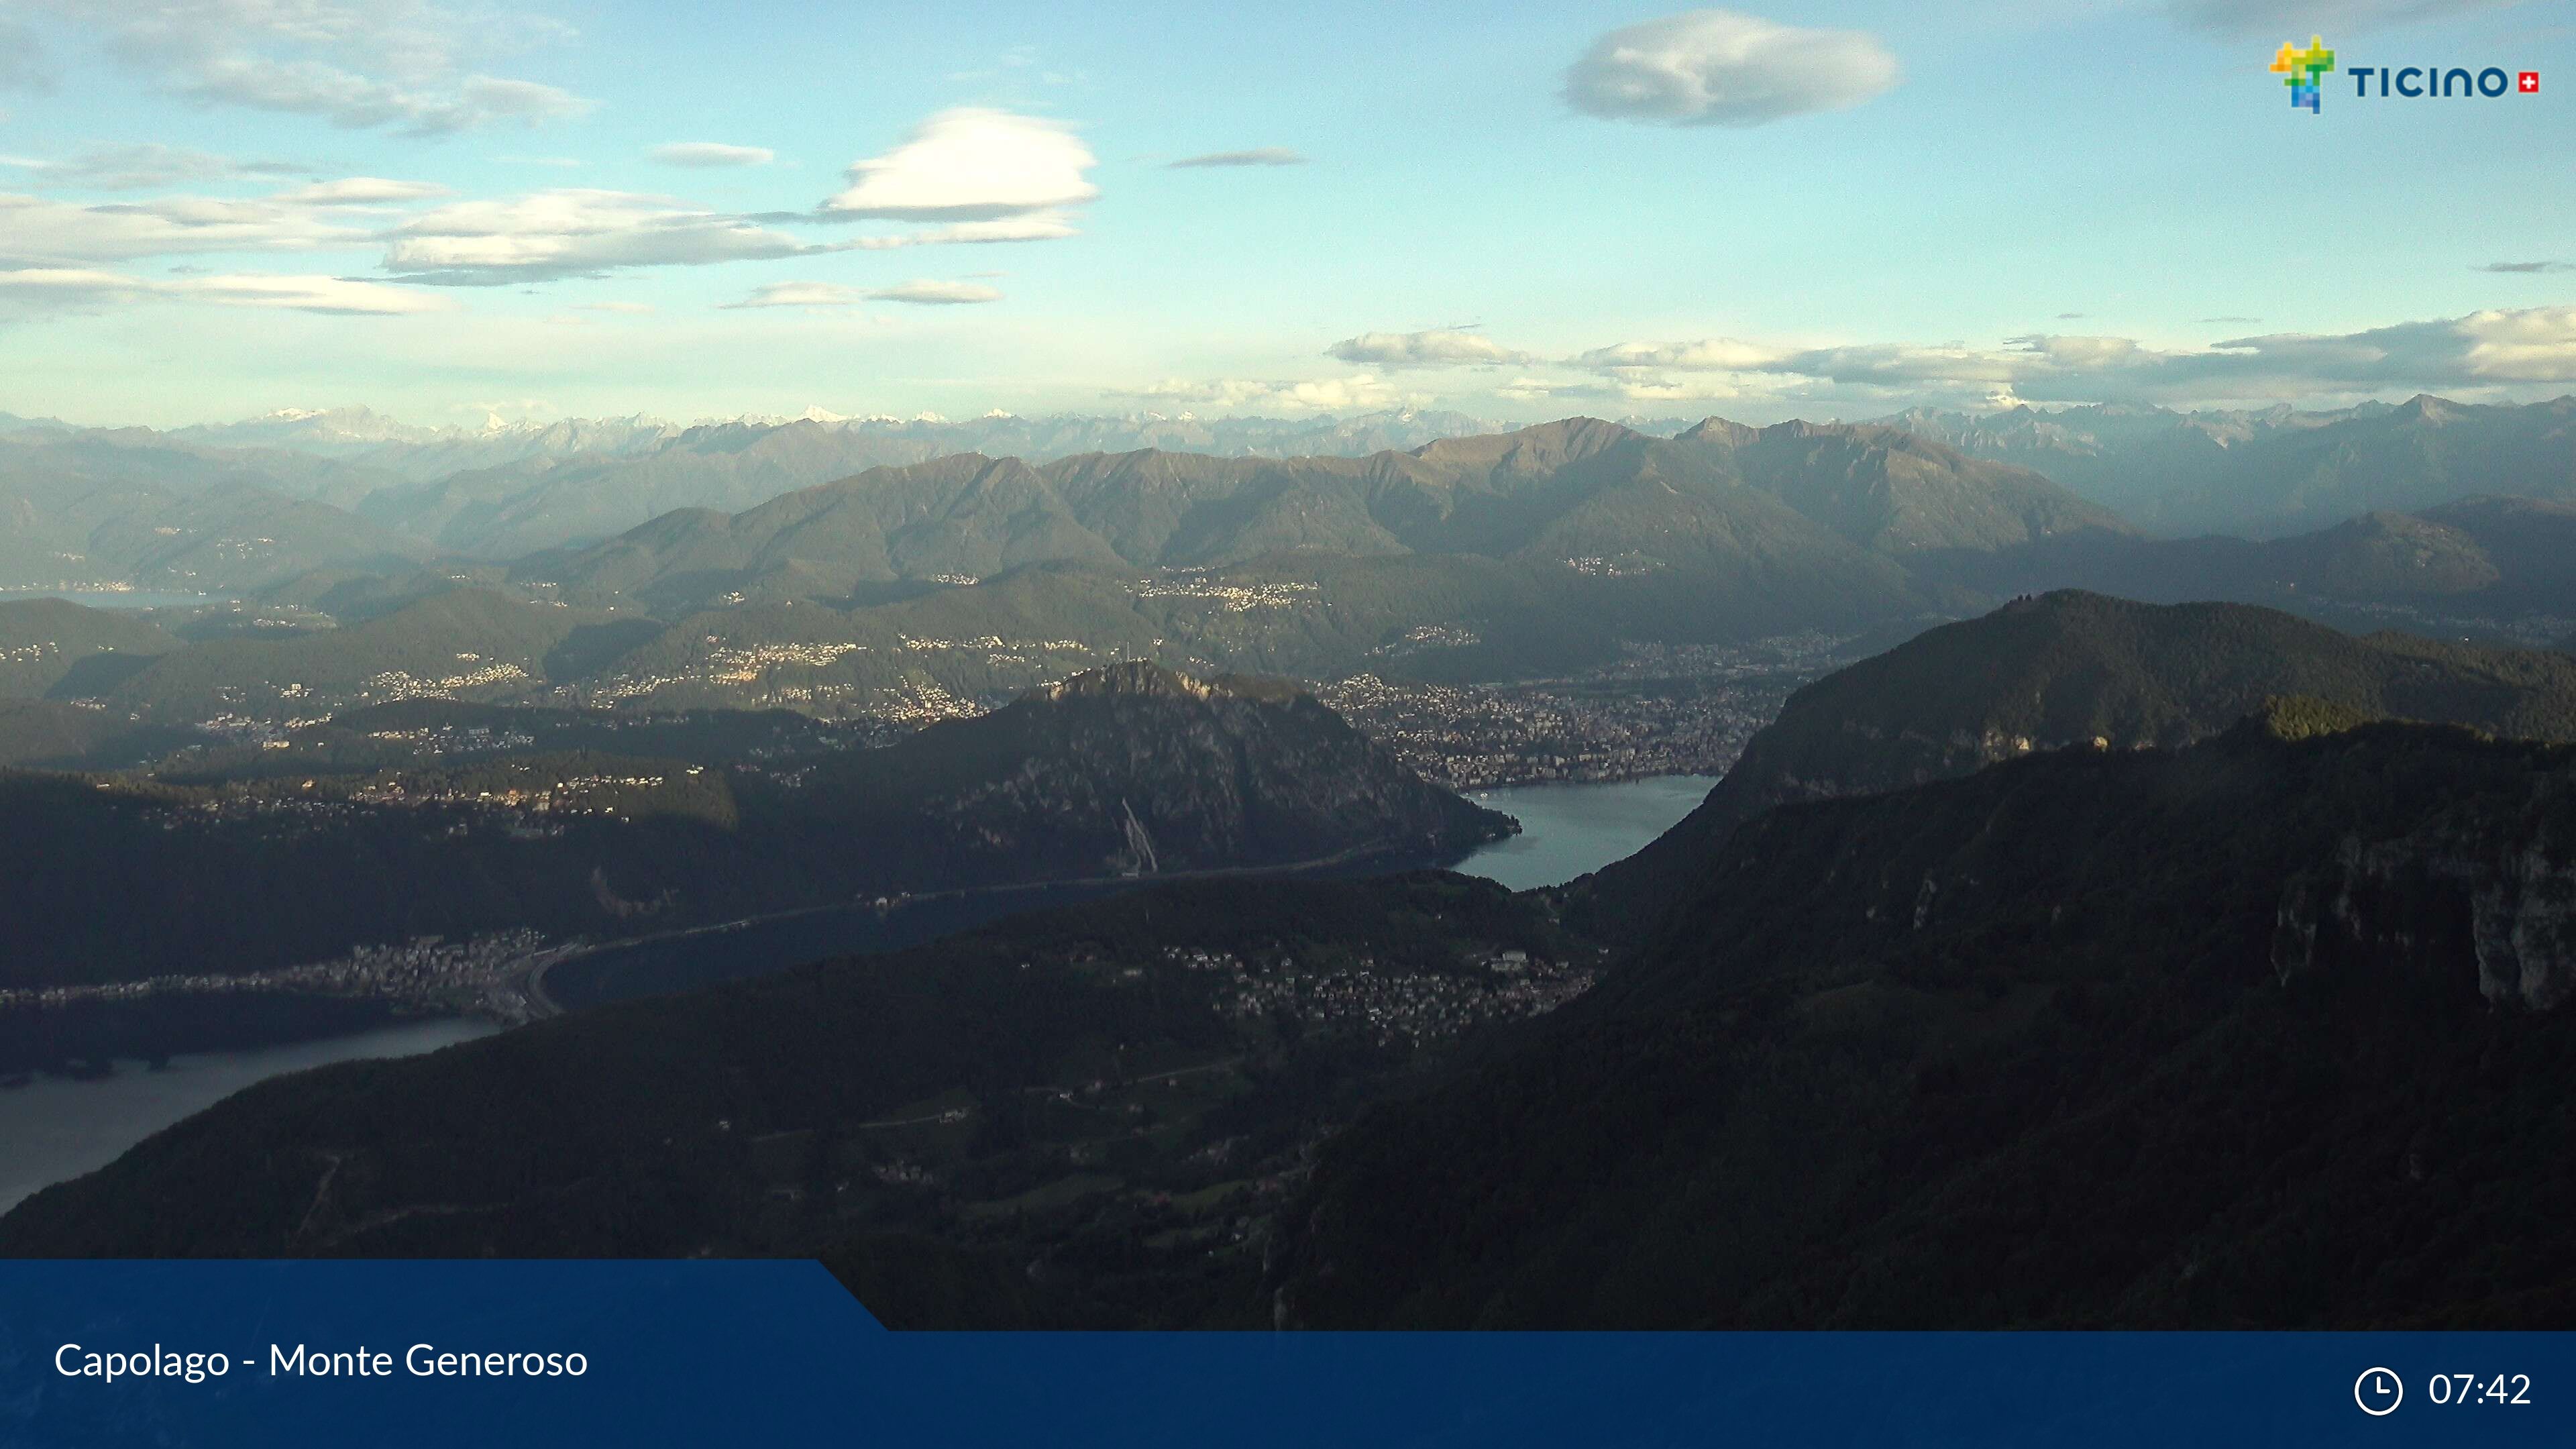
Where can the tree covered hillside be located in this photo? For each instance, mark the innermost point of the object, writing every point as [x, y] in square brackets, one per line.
[2072, 669]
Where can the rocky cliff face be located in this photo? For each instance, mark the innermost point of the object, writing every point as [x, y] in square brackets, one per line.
[2436, 899]
[1138, 770]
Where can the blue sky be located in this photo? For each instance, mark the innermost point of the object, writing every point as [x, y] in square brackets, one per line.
[212, 208]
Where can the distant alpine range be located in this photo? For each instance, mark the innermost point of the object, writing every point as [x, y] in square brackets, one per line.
[869, 566]
[505, 492]
[506, 489]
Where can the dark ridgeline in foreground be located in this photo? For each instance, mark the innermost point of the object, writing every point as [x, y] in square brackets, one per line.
[1103, 1091]
[2269, 1032]
[2266, 1029]
[2263, 1032]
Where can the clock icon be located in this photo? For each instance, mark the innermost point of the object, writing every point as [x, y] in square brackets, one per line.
[2378, 1391]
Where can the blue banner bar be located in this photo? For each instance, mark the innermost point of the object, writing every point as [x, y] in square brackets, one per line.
[474, 1354]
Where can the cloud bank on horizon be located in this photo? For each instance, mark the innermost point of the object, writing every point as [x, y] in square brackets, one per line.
[2484, 350]
[1712, 205]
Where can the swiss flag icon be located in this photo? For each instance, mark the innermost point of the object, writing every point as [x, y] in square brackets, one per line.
[2529, 84]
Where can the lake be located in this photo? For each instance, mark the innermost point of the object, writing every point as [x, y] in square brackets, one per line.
[1566, 830]
[1572, 830]
[54, 1128]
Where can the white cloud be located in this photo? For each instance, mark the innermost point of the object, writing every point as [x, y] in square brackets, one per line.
[1720, 354]
[1543, 389]
[1637, 388]
[1331, 394]
[36, 232]
[711, 153]
[85, 289]
[938, 294]
[68, 286]
[1902, 365]
[2495, 349]
[359, 191]
[630, 309]
[142, 165]
[971, 165]
[1722, 68]
[2287, 19]
[1259, 156]
[312, 294]
[1440, 347]
[407, 64]
[24, 64]
[580, 232]
[992, 177]
[801, 294]
[1038, 226]
[833, 294]
[571, 233]
[2533, 344]
[358, 103]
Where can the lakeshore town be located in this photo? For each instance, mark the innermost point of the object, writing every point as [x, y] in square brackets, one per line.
[493, 976]
[1658, 711]
[483, 976]
[1382, 1004]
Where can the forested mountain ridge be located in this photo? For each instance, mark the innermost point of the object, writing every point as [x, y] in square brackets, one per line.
[88, 512]
[2277, 472]
[1911, 485]
[1541, 496]
[507, 490]
[1132, 772]
[474, 643]
[52, 645]
[1898, 492]
[1577, 550]
[2073, 669]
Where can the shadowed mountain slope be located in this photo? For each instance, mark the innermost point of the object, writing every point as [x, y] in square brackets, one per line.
[2069, 669]
[1129, 771]
[1579, 496]
[2262, 1033]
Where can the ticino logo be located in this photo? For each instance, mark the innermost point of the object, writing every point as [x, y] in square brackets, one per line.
[2304, 68]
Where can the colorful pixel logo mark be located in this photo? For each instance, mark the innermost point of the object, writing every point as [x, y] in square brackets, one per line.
[2304, 71]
